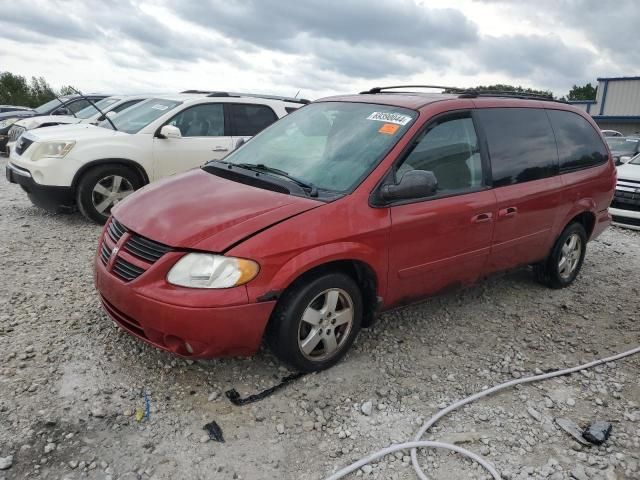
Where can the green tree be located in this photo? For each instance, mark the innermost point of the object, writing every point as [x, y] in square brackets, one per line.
[16, 90]
[500, 87]
[586, 92]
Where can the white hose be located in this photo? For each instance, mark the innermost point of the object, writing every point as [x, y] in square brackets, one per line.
[417, 443]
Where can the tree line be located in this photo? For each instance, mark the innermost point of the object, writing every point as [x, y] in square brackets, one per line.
[17, 90]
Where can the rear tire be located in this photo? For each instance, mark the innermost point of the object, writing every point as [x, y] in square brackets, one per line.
[102, 187]
[562, 267]
[316, 321]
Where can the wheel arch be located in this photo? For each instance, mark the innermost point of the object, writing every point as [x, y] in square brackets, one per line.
[139, 169]
[583, 212]
[357, 265]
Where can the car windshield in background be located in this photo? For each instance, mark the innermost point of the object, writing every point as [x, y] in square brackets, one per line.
[90, 111]
[623, 145]
[330, 145]
[139, 116]
[47, 107]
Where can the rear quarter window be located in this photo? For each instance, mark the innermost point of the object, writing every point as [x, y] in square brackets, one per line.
[579, 145]
[249, 119]
[521, 144]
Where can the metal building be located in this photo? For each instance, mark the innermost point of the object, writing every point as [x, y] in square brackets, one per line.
[617, 104]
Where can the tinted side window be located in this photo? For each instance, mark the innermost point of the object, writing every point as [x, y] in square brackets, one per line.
[205, 120]
[579, 146]
[248, 120]
[521, 144]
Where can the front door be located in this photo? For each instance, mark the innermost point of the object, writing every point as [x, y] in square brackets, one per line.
[204, 138]
[443, 240]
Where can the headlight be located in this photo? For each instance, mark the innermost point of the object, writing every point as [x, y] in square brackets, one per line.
[8, 122]
[52, 150]
[204, 270]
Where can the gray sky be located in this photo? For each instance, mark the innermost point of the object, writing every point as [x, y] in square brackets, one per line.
[318, 47]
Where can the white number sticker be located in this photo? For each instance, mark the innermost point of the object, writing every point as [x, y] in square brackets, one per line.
[160, 107]
[396, 118]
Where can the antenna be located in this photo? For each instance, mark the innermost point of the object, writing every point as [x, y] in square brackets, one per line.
[96, 107]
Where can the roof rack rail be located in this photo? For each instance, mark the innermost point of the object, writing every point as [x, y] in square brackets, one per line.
[211, 93]
[473, 93]
[469, 92]
[376, 90]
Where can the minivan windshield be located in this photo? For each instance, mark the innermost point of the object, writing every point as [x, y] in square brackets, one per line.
[90, 110]
[623, 145]
[47, 107]
[330, 145]
[134, 119]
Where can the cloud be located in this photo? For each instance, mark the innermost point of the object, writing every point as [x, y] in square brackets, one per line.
[541, 58]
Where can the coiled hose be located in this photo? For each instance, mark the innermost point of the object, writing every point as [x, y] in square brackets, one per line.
[417, 443]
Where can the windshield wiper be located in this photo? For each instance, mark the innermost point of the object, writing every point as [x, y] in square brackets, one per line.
[262, 168]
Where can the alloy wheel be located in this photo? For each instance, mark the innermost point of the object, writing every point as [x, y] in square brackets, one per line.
[326, 324]
[570, 256]
[108, 191]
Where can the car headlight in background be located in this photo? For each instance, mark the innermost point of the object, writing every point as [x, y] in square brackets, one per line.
[52, 150]
[205, 270]
[8, 122]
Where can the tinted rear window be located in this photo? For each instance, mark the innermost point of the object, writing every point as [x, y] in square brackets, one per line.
[521, 144]
[579, 145]
[248, 119]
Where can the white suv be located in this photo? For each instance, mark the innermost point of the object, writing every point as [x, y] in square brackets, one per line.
[89, 114]
[94, 167]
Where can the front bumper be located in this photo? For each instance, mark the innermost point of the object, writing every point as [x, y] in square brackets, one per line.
[188, 331]
[626, 218]
[52, 198]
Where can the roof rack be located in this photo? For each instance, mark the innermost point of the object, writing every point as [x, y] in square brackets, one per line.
[375, 90]
[469, 92]
[210, 93]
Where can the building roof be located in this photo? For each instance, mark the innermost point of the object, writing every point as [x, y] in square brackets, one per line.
[600, 79]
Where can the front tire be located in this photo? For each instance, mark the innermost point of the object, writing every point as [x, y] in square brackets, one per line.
[561, 268]
[316, 322]
[102, 187]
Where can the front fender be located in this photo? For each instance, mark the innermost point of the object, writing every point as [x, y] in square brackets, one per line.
[323, 254]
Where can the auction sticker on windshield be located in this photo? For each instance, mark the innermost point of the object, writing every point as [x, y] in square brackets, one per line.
[396, 118]
[389, 128]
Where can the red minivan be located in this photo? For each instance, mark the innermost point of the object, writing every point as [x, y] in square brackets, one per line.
[352, 205]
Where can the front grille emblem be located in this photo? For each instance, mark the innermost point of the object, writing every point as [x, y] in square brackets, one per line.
[115, 251]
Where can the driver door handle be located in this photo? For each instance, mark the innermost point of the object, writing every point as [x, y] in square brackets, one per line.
[508, 212]
[482, 218]
[220, 149]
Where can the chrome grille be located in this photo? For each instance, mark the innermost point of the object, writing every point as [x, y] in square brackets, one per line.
[15, 131]
[22, 145]
[627, 195]
[143, 249]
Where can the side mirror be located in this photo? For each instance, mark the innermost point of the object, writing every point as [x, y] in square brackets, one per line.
[110, 114]
[169, 131]
[240, 142]
[413, 184]
[62, 111]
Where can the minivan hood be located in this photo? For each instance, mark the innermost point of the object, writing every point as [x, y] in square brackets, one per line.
[629, 171]
[198, 210]
[78, 132]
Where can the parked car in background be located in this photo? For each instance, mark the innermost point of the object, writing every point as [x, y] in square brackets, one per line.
[351, 205]
[12, 108]
[89, 114]
[64, 105]
[623, 148]
[94, 167]
[625, 207]
[611, 133]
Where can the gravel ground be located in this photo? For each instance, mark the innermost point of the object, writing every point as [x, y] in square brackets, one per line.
[70, 382]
